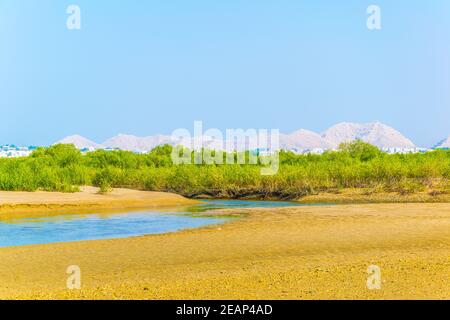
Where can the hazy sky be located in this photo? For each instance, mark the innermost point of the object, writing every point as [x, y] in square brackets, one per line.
[148, 67]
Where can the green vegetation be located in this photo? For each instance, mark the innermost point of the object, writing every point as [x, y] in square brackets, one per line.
[356, 165]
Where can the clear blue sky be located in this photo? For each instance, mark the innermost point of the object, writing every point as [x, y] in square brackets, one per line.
[148, 67]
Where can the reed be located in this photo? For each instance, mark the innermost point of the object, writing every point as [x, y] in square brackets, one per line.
[358, 165]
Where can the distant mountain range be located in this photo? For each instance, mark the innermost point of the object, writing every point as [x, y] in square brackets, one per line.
[80, 142]
[304, 139]
[130, 142]
[375, 133]
[444, 144]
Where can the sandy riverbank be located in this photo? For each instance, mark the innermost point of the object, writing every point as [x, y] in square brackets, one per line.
[286, 253]
[362, 195]
[88, 200]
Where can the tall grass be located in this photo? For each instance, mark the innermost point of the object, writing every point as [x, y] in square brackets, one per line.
[358, 165]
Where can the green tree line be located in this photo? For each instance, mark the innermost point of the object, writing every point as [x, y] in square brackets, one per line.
[356, 165]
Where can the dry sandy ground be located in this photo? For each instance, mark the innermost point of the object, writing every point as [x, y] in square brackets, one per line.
[286, 253]
[362, 195]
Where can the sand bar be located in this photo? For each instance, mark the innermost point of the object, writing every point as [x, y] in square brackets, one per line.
[364, 195]
[13, 204]
[285, 253]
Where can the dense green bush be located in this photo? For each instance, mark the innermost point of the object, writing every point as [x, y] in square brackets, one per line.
[357, 165]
